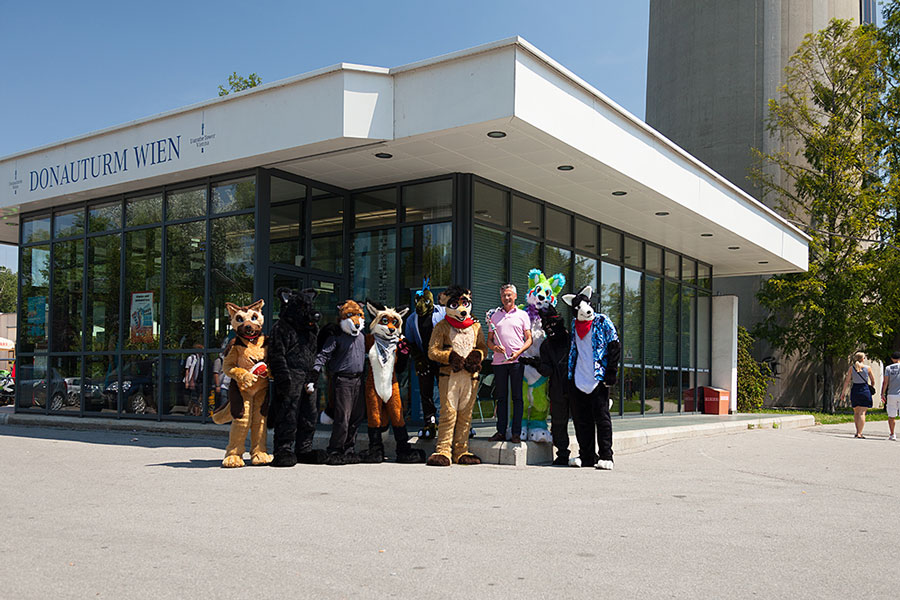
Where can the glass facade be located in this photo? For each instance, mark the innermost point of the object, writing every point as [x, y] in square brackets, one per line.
[119, 294]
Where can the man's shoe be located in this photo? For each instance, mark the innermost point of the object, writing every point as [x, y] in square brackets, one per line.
[497, 437]
[575, 462]
[515, 439]
[561, 461]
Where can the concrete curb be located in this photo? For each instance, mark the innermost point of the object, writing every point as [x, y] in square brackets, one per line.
[494, 453]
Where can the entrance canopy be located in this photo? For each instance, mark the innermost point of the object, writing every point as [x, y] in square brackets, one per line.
[504, 111]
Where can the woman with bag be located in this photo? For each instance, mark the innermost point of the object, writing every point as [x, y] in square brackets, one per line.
[861, 392]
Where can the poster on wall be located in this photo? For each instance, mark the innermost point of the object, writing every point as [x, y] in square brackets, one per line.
[37, 316]
[141, 318]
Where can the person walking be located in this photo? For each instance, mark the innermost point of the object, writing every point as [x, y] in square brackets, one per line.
[863, 385]
[890, 392]
[509, 337]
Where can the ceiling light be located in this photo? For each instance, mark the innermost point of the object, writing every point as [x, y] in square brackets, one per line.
[763, 262]
[661, 213]
[565, 167]
[619, 193]
[534, 227]
[706, 235]
[383, 155]
[527, 222]
[734, 247]
[496, 134]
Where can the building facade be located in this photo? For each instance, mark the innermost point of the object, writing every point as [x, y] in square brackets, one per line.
[358, 181]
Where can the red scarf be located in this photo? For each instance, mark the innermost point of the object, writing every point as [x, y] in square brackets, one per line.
[582, 327]
[460, 324]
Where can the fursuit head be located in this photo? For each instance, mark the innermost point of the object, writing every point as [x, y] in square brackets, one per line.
[352, 318]
[386, 328]
[247, 321]
[581, 303]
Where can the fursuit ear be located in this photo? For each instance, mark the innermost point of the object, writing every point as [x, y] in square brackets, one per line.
[402, 311]
[557, 283]
[568, 298]
[284, 294]
[310, 294]
[588, 291]
[257, 306]
[534, 277]
[372, 308]
[232, 309]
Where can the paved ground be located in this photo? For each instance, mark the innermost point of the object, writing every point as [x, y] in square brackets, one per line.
[806, 513]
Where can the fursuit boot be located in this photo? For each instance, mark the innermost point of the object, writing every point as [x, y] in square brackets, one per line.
[312, 457]
[375, 452]
[335, 459]
[406, 453]
[284, 458]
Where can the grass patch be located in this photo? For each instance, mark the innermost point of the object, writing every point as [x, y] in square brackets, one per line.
[841, 416]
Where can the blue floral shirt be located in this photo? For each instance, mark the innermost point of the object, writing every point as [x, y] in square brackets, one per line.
[602, 333]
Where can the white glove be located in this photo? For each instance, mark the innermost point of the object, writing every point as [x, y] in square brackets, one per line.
[310, 388]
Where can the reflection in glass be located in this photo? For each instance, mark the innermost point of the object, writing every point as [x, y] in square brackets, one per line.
[610, 294]
[327, 253]
[373, 270]
[653, 256]
[673, 265]
[185, 284]
[490, 203]
[634, 252]
[425, 251]
[632, 341]
[184, 204]
[65, 384]
[488, 275]
[68, 223]
[703, 276]
[35, 229]
[139, 389]
[585, 274]
[559, 226]
[143, 261]
[283, 190]
[688, 271]
[526, 216]
[611, 245]
[30, 394]
[34, 306]
[375, 208]
[672, 315]
[557, 260]
[184, 381]
[653, 343]
[327, 214]
[703, 338]
[100, 395]
[102, 319]
[238, 194]
[104, 217]
[68, 273]
[426, 201]
[143, 210]
[585, 236]
[232, 258]
[285, 234]
[525, 256]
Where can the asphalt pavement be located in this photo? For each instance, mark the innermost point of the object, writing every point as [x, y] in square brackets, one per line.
[801, 513]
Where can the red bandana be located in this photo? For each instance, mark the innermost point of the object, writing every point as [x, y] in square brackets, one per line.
[460, 324]
[582, 327]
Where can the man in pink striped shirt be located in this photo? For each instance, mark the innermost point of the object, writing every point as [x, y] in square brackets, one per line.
[509, 337]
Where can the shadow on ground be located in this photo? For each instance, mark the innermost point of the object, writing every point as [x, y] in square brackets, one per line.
[112, 438]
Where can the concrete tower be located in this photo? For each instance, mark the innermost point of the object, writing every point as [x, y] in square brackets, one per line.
[712, 67]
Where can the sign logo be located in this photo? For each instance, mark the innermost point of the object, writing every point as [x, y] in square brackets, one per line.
[15, 183]
[204, 140]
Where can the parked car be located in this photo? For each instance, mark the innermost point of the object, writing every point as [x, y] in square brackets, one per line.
[138, 387]
[93, 392]
[35, 387]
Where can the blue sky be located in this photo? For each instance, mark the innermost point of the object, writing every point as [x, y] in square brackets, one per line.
[70, 68]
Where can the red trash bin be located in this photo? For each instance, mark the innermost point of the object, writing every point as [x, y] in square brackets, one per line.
[716, 401]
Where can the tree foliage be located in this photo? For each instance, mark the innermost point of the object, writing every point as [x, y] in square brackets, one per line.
[239, 83]
[753, 377]
[8, 290]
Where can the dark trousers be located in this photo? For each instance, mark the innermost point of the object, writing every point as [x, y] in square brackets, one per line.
[348, 411]
[591, 415]
[505, 377]
[401, 438]
[559, 424]
[295, 423]
[426, 395]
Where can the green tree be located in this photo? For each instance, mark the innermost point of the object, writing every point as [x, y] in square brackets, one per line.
[8, 290]
[753, 378]
[239, 83]
[825, 175]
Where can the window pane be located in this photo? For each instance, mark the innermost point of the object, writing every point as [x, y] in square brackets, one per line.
[490, 204]
[31, 388]
[611, 245]
[284, 190]
[654, 258]
[68, 223]
[185, 284]
[688, 270]
[234, 195]
[426, 201]
[143, 259]
[144, 210]
[703, 275]
[672, 306]
[585, 236]
[184, 204]
[34, 306]
[100, 384]
[184, 378]
[232, 257]
[526, 216]
[631, 336]
[375, 208]
[36, 229]
[688, 327]
[634, 252]
[425, 252]
[65, 384]
[585, 274]
[526, 255]
[374, 266]
[104, 217]
[285, 234]
[559, 226]
[327, 253]
[652, 344]
[703, 338]
[102, 320]
[488, 275]
[139, 393]
[611, 292]
[327, 213]
[673, 265]
[68, 282]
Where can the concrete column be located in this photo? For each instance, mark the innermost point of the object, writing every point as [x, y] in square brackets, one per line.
[724, 345]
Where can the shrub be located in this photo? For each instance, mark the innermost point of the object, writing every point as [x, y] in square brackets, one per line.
[753, 377]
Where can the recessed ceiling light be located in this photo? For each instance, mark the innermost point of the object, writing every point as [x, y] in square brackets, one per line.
[534, 227]
[706, 235]
[588, 245]
[734, 247]
[526, 221]
[619, 193]
[565, 167]
[496, 134]
[763, 262]
[661, 213]
[383, 155]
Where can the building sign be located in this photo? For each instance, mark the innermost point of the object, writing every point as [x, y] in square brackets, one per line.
[141, 318]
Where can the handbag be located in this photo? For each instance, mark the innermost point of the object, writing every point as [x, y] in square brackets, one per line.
[871, 387]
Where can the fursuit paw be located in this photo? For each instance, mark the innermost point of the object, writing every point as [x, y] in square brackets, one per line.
[233, 461]
[312, 457]
[372, 456]
[604, 465]
[352, 458]
[473, 361]
[411, 456]
[261, 458]
[575, 462]
[325, 419]
[438, 460]
[243, 377]
[335, 459]
[539, 435]
[468, 459]
[284, 458]
[457, 362]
